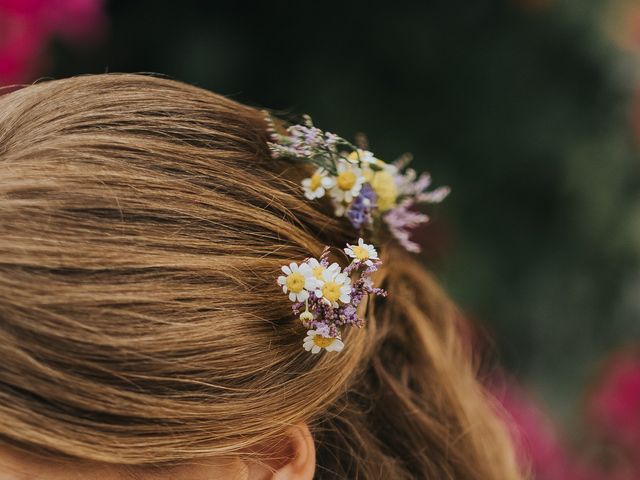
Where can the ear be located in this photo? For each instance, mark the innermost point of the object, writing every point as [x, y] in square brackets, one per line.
[294, 457]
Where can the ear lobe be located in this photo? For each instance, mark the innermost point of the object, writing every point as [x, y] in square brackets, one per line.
[300, 463]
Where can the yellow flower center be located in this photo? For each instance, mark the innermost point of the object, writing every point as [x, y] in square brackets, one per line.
[361, 253]
[386, 191]
[316, 181]
[317, 272]
[322, 342]
[295, 282]
[331, 291]
[346, 180]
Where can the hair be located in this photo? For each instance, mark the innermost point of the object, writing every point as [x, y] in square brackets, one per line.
[143, 224]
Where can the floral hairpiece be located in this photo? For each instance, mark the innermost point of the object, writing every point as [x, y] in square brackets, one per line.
[365, 189]
[369, 192]
[324, 296]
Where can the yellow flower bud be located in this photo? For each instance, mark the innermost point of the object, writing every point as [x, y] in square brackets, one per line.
[306, 317]
[384, 185]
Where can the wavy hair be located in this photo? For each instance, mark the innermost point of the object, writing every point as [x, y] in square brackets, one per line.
[143, 224]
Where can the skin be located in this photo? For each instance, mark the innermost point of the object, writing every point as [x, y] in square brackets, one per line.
[296, 462]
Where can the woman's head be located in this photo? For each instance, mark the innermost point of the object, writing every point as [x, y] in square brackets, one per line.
[143, 224]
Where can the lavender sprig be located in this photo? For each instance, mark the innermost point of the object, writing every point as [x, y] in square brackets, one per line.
[305, 142]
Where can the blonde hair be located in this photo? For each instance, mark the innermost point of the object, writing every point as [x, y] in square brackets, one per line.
[143, 224]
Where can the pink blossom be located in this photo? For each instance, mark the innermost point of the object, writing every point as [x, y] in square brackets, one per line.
[614, 406]
[537, 440]
[26, 27]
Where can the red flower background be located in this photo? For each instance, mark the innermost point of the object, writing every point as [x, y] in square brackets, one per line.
[28, 26]
[607, 446]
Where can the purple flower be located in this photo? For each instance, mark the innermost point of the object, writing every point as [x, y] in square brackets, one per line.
[401, 221]
[303, 141]
[348, 316]
[331, 140]
[361, 209]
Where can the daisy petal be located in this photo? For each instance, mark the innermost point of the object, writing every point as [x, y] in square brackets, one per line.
[327, 275]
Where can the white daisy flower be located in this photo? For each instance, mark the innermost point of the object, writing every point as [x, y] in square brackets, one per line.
[362, 156]
[388, 167]
[335, 286]
[316, 185]
[363, 252]
[297, 281]
[349, 181]
[316, 341]
[339, 208]
[317, 268]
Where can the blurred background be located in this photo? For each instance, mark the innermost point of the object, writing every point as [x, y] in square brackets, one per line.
[529, 109]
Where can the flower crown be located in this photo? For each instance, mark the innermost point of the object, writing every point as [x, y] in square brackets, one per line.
[370, 193]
